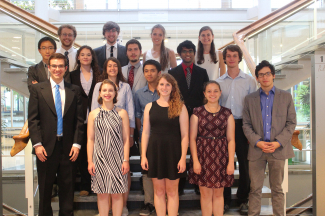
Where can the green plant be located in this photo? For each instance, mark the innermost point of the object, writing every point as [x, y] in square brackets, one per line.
[26, 5]
[62, 4]
[302, 100]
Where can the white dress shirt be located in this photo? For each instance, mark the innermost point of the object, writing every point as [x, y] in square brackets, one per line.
[72, 53]
[108, 50]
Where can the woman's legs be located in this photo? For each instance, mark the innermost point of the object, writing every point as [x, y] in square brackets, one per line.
[102, 202]
[126, 194]
[206, 200]
[172, 196]
[217, 201]
[159, 196]
[117, 204]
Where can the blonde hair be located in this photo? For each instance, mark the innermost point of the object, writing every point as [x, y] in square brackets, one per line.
[175, 102]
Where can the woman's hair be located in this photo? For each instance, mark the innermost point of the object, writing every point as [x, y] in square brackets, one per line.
[100, 99]
[205, 87]
[164, 51]
[175, 102]
[104, 75]
[94, 62]
[213, 55]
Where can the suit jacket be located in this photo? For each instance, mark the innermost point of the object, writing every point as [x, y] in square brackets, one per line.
[42, 117]
[86, 99]
[194, 96]
[37, 72]
[282, 128]
[139, 80]
[101, 55]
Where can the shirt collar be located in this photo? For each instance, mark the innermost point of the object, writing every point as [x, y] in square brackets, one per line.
[146, 88]
[135, 66]
[69, 50]
[184, 66]
[44, 64]
[108, 46]
[53, 84]
[271, 91]
[241, 74]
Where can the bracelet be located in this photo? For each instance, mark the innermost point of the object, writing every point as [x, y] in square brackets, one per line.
[131, 135]
[125, 160]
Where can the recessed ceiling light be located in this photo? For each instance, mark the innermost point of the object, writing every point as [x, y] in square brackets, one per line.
[17, 37]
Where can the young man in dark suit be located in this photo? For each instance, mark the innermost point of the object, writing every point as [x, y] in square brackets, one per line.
[111, 30]
[55, 121]
[190, 79]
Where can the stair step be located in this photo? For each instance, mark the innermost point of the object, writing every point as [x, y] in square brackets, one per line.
[16, 70]
[13, 62]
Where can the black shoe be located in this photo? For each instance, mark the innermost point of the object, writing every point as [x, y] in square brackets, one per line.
[243, 209]
[226, 208]
[55, 190]
[181, 192]
[147, 209]
[197, 190]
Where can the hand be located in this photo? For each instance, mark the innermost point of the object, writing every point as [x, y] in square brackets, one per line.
[34, 82]
[40, 153]
[131, 141]
[74, 153]
[230, 168]
[91, 168]
[264, 146]
[197, 167]
[125, 167]
[181, 166]
[144, 163]
[274, 145]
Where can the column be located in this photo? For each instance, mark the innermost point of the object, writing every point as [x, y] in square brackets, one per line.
[42, 9]
[264, 8]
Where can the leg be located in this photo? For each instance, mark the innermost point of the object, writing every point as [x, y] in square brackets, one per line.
[276, 174]
[102, 202]
[172, 196]
[206, 200]
[148, 189]
[85, 185]
[227, 196]
[256, 173]
[217, 202]
[117, 204]
[126, 194]
[159, 196]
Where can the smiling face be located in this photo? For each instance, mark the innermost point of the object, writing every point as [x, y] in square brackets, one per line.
[187, 55]
[164, 88]
[157, 36]
[57, 69]
[206, 37]
[107, 92]
[112, 69]
[67, 37]
[232, 59]
[85, 57]
[111, 36]
[133, 52]
[151, 73]
[46, 50]
[212, 93]
[265, 78]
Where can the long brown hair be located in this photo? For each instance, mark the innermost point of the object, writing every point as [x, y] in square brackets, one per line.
[213, 55]
[94, 62]
[175, 102]
[164, 51]
[104, 75]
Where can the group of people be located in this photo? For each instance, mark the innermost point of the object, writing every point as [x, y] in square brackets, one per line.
[87, 107]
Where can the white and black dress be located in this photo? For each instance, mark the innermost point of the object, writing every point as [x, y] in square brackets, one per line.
[108, 154]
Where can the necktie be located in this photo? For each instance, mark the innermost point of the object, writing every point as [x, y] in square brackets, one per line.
[58, 108]
[131, 77]
[66, 55]
[47, 71]
[112, 47]
[188, 77]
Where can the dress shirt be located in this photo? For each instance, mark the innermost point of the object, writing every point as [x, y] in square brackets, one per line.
[141, 98]
[184, 68]
[62, 94]
[124, 100]
[235, 90]
[108, 50]
[266, 108]
[86, 85]
[72, 57]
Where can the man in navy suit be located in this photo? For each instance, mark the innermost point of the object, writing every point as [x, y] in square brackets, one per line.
[111, 30]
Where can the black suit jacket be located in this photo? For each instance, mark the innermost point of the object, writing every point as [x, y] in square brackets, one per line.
[42, 118]
[194, 96]
[101, 55]
[86, 99]
[37, 72]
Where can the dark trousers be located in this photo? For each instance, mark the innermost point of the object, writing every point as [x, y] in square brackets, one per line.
[58, 164]
[241, 153]
[83, 165]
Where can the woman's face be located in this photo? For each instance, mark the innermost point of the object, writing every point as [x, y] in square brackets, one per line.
[212, 93]
[85, 57]
[107, 92]
[164, 88]
[157, 36]
[112, 69]
[206, 37]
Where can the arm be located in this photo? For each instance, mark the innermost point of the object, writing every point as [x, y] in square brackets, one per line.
[172, 59]
[231, 144]
[222, 65]
[31, 77]
[193, 135]
[144, 57]
[90, 141]
[138, 111]
[129, 106]
[145, 137]
[184, 124]
[138, 123]
[126, 135]
[94, 102]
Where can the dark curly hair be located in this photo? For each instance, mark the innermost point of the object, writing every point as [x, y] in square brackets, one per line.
[104, 75]
[263, 64]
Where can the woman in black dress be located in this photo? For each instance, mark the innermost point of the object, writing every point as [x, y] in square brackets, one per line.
[164, 144]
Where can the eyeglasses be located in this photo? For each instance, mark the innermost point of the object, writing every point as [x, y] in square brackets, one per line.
[47, 48]
[57, 66]
[267, 74]
[67, 35]
[187, 51]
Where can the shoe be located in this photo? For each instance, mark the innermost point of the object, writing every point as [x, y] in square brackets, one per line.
[181, 192]
[55, 190]
[147, 209]
[243, 209]
[84, 193]
[125, 211]
[226, 208]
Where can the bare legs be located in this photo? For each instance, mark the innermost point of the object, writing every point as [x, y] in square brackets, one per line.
[126, 194]
[211, 201]
[161, 187]
[103, 204]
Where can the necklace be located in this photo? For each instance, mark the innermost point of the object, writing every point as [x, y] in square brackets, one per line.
[210, 110]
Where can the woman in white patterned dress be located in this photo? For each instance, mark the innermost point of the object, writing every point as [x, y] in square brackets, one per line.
[108, 150]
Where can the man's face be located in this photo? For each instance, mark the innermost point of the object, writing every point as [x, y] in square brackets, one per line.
[67, 37]
[111, 36]
[151, 73]
[187, 55]
[46, 50]
[133, 52]
[232, 59]
[57, 69]
[265, 77]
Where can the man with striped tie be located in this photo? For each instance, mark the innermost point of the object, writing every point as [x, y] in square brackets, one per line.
[55, 123]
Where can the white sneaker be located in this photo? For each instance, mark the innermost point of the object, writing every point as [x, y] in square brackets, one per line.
[125, 211]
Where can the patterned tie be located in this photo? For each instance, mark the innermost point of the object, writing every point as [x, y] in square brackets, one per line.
[58, 108]
[47, 71]
[188, 77]
[112, 47]
[131, 77]
[66, 55]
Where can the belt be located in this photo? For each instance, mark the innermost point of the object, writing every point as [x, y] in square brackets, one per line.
[59, 138]
[220, 137]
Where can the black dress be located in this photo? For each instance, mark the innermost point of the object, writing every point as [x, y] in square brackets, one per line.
[164, 148]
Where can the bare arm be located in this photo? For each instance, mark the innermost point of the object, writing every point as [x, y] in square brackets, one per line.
[145, 137]
[91, 140]
[231, 144]
[184, 124]
[144, 57]
[126, 141]
[194, 121]
[222, 65]
[172, 59]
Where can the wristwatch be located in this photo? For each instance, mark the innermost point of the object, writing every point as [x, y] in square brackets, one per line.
[125, 160]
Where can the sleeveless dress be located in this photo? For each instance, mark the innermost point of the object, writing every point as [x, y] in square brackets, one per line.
[164, 148]
[212, 68]
[149, 56]
[212, 152]
[108, 154]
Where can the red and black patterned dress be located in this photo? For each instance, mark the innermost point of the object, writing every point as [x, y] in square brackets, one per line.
[212, 149]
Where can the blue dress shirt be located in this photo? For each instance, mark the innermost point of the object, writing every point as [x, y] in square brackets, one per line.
[266, 108]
